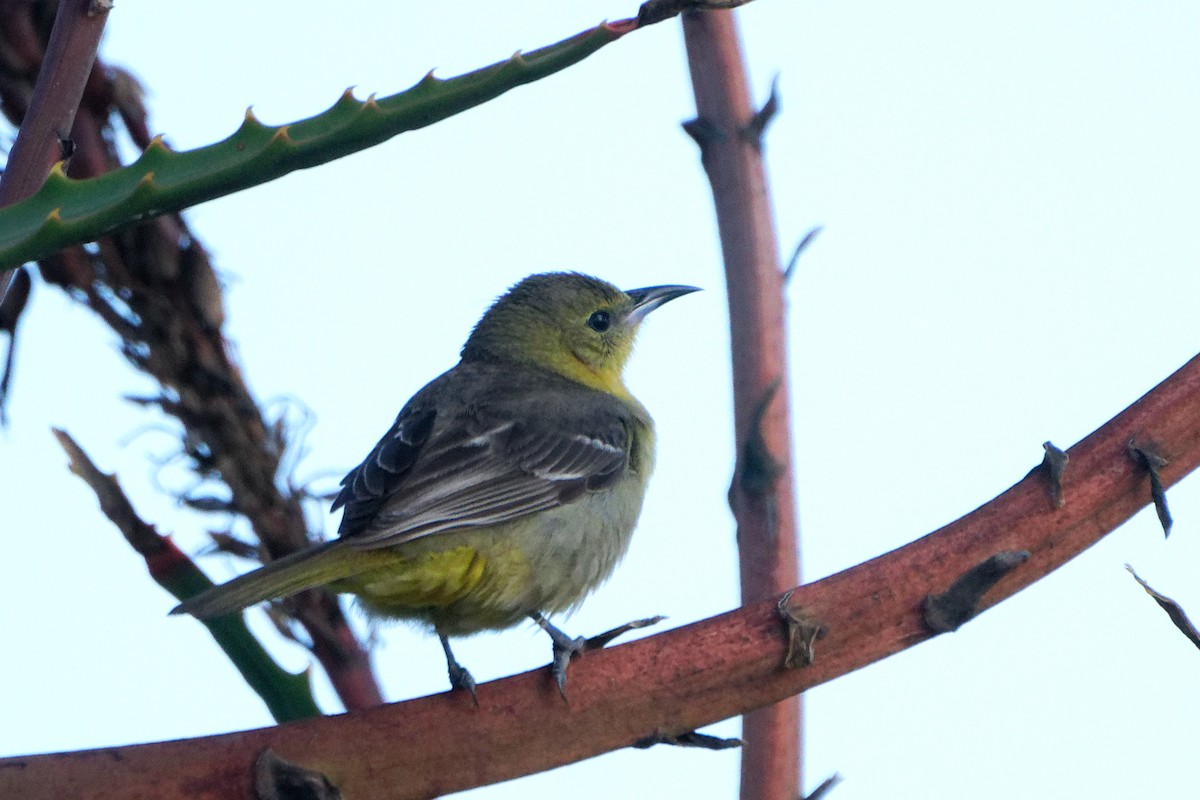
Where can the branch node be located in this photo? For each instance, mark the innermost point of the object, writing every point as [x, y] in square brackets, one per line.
[759, 469]
[825, 787]
[1148, 457]
[805, 241]
[277, 779]
[653, 11]
[802, 633]
[1054, 464]
[757, 126]
[66, 148]
[948, 611]
[689, 739]
[704, 132]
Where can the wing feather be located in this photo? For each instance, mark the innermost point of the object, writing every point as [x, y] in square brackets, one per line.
[466, 452]
[472, 479]
[367, 486]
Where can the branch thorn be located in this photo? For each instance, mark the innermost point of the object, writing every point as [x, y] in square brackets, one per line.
[277, 779]
[757, 126]
[948, 611]
[1054, 464]
[1148, 457]
[689, 739]
[803, 244]
[802, 632]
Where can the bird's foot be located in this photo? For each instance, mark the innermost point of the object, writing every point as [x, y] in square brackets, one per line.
[566, 647]
[460, 676]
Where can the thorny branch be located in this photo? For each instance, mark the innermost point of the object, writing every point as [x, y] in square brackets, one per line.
[665, 685]
[729, 132]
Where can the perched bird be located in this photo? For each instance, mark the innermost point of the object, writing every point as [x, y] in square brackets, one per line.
[506, 489]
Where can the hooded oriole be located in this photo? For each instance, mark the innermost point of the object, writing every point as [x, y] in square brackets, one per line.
[507, 488]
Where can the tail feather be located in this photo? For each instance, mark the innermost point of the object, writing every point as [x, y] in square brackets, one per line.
[285, 576]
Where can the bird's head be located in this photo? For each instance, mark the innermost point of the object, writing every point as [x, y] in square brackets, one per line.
[578, 326]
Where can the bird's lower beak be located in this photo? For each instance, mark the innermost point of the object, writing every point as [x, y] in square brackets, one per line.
[651, 297]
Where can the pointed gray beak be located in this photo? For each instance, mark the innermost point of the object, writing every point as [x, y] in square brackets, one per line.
[647, 299]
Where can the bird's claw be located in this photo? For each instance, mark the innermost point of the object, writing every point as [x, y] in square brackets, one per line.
[564, 649]
[461, 678]
[567, 647]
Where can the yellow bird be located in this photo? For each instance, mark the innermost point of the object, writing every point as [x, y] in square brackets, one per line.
[506, 489]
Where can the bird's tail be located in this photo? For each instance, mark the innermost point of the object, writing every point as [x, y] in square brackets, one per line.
[314, 566]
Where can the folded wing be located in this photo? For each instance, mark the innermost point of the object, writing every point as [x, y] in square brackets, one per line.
[424, 478]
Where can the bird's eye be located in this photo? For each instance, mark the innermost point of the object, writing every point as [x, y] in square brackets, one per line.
[600, 321]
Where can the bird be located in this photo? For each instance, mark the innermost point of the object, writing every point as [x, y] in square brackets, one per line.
[507, 489]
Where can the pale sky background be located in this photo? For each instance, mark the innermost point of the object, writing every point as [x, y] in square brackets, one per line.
[1009, 195]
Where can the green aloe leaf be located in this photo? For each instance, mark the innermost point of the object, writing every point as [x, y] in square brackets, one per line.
[66, 211]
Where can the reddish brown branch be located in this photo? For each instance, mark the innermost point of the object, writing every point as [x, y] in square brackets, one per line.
[729, 132]
[671, 683]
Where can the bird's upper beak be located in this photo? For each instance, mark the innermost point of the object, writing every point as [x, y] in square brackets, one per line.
[651, 297]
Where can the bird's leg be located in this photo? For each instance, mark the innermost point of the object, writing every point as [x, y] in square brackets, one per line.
[565, 647]
[460, 678]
